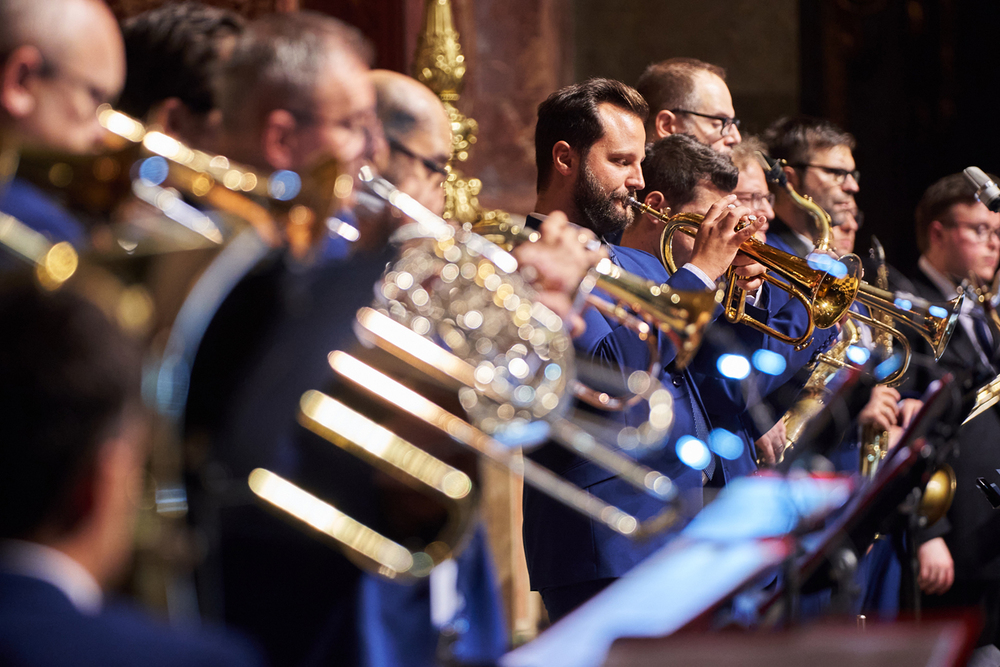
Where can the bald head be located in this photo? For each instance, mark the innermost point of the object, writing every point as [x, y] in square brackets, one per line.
[419, 133]
[61, 60]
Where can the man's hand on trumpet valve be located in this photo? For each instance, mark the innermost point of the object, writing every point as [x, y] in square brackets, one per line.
[724, 229]
[558, 263]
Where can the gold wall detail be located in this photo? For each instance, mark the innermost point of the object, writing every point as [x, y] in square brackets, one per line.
[440, 65]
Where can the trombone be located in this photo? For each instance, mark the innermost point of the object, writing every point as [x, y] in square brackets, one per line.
[826, 294]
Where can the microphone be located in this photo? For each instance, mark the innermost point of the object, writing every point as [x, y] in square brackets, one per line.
[986, 190]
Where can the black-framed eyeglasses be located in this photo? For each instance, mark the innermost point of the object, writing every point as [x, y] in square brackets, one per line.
[727, 123]
[839, 175]
[432, 165]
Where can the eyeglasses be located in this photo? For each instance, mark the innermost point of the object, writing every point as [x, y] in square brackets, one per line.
[839, 175]
[756, 200]
[982, 231]
[49, 70]
[727, 123]
[432, 165]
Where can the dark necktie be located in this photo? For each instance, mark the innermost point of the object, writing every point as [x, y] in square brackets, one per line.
[983, 336]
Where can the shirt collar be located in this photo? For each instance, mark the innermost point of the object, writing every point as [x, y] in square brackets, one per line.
[37, 561]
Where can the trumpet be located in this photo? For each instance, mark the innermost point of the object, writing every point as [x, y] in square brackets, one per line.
[825, 295]
[933, 321]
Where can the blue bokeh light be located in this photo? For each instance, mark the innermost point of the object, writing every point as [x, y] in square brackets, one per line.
[904, 304]
[858, 355]
[693, 452]
[769, 362]
[733, 366]
[284, 185]
[888, 367]
[826, 264]
[154, 170]
[937, 311]
[725, 444]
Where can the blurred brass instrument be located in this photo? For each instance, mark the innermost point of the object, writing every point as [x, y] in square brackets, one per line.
[813, 397]
[680, 316]
[986, 296]
[825, 296]
[452, 318]
[875, 441]
[986, 397]
[775, 174]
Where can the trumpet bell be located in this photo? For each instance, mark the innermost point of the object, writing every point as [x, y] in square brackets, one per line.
[934, 321]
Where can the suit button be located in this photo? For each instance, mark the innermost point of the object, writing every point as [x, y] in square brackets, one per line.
[677, 381]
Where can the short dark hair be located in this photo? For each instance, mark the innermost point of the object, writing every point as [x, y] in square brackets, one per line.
[938, 200]
[795, 139]
[276, 63]
[570, 114]
[677, 164]
[174, 51]
[67, 378]
[669, 84]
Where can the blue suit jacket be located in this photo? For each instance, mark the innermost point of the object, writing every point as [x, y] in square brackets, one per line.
[563, 547]
[40, 627]
[40, 212]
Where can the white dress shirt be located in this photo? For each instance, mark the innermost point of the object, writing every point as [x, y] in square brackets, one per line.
[34, 560]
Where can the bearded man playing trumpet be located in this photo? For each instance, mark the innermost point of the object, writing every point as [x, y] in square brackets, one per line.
[589, 145]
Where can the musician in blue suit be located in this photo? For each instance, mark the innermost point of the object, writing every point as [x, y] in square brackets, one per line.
[685, 176]
[73, 451]
[589, 144]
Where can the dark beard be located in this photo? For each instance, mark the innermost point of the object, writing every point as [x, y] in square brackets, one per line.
[597, 209]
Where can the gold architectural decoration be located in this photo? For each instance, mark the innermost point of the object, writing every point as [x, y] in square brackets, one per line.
[440, 65]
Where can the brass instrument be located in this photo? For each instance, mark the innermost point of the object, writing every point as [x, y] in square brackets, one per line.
[775, 174]
[938, 494]
[934, 321]
[814, 395]
[986, 296]
[825, 296]
[452, 314]
[986, 397]
[681, 316]
[875, 441]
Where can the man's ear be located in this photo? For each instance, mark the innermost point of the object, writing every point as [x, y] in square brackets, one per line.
[279, 143]
[793, 177]
[935, 230]
[565, 159]
[665, 124]
[16, 97]
[174, 117]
